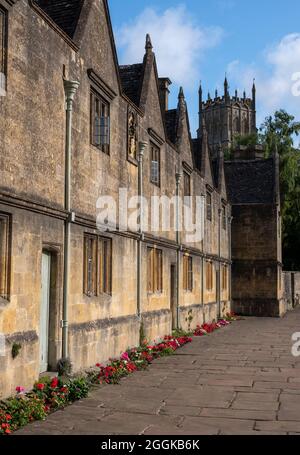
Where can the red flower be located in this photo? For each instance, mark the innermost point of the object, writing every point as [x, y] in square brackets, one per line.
[54, 383]
[40, 386]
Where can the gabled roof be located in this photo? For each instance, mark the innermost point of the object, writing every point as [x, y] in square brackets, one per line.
[65, 13]
[250, 181]
[131, 81]
[171, 124]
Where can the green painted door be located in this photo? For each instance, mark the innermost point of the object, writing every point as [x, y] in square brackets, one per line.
[44, 314]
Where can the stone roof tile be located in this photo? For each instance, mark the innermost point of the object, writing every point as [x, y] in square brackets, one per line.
[65, 13]
[250, 181]
[131, 80]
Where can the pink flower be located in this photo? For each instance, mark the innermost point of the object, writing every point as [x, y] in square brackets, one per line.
[125, 357]
[20, 389]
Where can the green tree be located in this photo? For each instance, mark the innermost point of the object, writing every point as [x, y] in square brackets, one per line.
[279, 132]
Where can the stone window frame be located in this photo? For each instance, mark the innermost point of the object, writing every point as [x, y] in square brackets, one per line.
[224, 217]
[209, 276]
[97, 265]
[224, 277]
[155, 152]
[209, 205]
[5, 255]
[155, 270]
[187, 187]
[188, 273]
[97, 99]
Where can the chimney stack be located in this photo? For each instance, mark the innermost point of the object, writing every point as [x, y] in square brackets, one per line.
[164, 83]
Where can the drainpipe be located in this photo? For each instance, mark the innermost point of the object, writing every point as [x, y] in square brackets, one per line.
[219, 265]
[230, 218]
[178, 180]
[70, 90]
[202, 259]
[142, 148]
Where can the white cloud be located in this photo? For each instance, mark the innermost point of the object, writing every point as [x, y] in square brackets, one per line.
[179, 43]
[275, 85]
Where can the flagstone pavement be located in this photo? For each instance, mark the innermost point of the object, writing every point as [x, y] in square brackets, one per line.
[241, 379]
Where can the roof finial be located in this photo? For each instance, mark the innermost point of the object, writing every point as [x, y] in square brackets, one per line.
[254, 95]
[181, 94]
[208, 96]
[216, 93]
[148, 45]
[226, 87]
[236, 93]
[244, 94]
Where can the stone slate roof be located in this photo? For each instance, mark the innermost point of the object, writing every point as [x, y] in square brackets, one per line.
[250, 181]
[131, 80]
[65, 13]
[171, 124]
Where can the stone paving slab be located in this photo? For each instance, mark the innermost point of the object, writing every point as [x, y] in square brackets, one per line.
[241, 379]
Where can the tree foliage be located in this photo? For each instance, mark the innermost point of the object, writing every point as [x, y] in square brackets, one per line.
[280, 132]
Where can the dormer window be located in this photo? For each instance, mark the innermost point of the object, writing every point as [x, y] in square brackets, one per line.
[208, 206]
[224, 218]
[100, 122]
[3, 50]
[155, 165]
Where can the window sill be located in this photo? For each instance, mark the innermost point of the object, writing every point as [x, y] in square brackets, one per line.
[155, 184]
[96, 298]
[99, 149]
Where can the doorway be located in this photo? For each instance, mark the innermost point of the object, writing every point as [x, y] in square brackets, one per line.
[173, 302]
[45, 311]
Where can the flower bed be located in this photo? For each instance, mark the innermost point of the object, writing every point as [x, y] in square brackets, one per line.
[206, 328]
[137, 359]
[49, 395]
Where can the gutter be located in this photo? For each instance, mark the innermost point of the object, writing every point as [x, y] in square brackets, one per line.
[219, 266]
[142, 148]
[70, 90]
[178, 179]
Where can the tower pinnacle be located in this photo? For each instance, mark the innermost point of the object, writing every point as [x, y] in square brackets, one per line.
[148, 45]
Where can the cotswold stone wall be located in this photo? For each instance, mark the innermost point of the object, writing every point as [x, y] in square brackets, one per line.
[255, 270]
[32, 182]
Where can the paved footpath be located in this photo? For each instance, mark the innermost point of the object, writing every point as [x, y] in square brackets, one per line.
[241, 379]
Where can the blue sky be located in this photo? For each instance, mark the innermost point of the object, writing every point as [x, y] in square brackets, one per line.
[201, 40]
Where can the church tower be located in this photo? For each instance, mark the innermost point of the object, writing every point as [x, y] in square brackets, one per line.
[226, 117]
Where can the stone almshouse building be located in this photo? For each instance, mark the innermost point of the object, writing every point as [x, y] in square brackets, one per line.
[68, 289]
